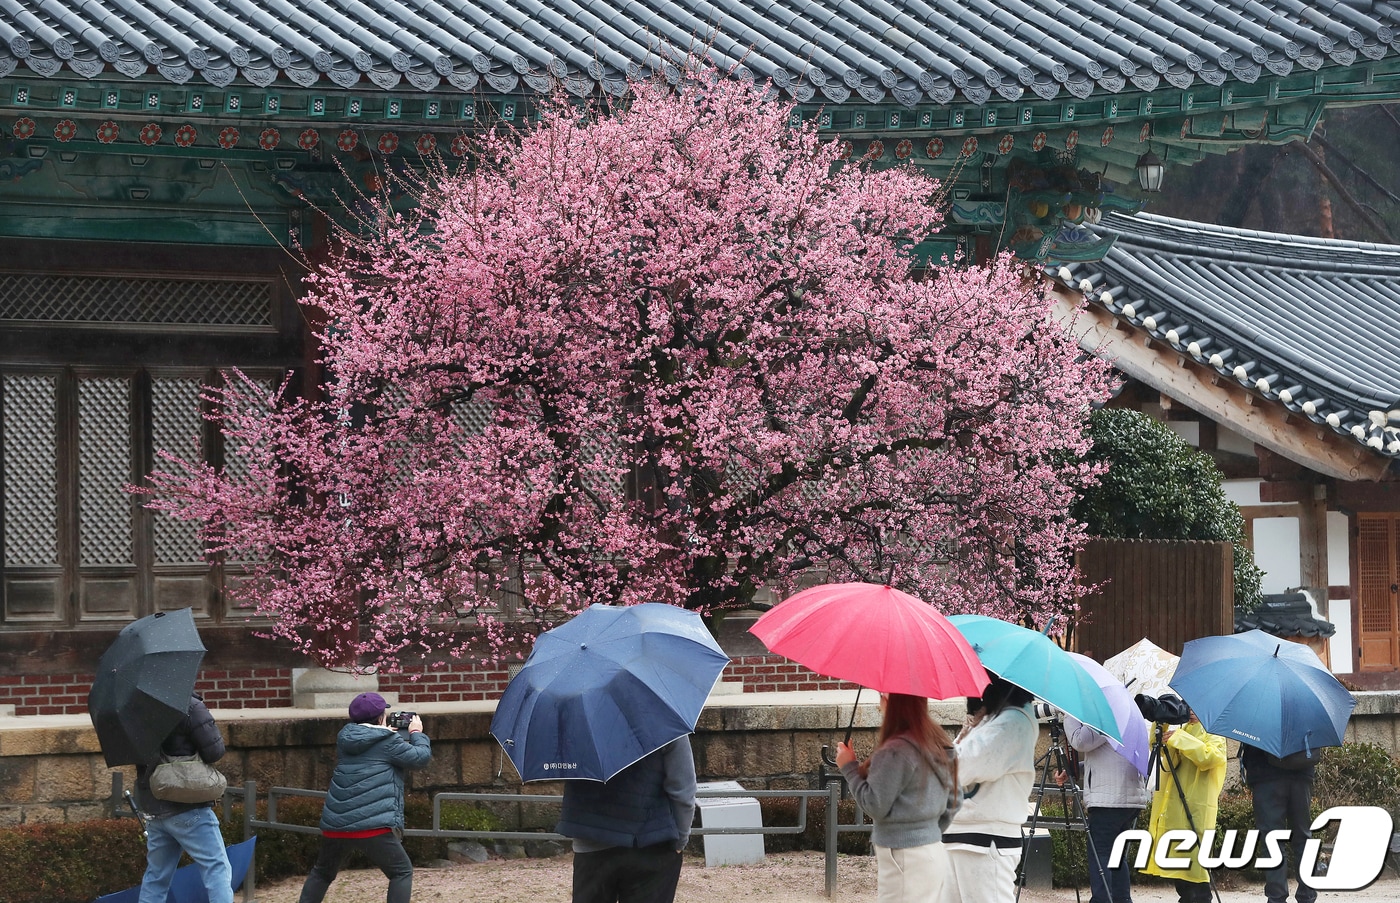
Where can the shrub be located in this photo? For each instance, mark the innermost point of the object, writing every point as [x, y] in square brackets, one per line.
[70, 863]
[1357, 774]
[1159, 487]
[76, 862]
[780, 811]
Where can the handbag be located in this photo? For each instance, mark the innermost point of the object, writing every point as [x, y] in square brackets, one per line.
[187, 779]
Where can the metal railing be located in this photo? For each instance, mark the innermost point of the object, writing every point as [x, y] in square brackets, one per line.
[247, 794]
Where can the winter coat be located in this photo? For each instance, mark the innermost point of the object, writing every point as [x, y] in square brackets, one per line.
[1198, 761]
[996, 767]
[650, 801]
[1110, 780]
[367, 785]
[195, 734]
[906, 794]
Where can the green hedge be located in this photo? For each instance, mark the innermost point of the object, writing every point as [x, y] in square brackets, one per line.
[77, 862]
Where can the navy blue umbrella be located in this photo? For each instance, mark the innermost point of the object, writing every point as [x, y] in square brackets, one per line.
[605, 689]
[1263, 691]
[143, 684]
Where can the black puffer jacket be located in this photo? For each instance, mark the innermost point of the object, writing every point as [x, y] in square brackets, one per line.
[196, 733]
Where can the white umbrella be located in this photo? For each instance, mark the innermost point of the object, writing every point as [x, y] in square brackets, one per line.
[1144, 667]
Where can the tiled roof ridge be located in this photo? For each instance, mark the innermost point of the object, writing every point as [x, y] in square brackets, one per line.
[900, 51]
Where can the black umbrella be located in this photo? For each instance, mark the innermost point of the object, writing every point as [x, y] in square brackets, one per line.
[143, 686]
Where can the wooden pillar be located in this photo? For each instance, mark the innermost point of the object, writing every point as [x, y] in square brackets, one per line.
[1312, 547]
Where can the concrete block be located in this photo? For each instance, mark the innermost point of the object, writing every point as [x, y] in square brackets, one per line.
[479, 763]
[65, 779]
[17, 780]
[43, 815]
[11, 816]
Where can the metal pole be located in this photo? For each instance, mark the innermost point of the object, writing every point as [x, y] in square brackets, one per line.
[832, 817]
[250, 811]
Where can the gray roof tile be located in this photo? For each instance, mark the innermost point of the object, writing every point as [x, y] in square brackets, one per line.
[1309, 323]
[904, 51]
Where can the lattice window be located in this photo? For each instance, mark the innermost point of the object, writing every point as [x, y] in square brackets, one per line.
[1374, 575]
[150, 302]
[176, 424]
[31, 477]
[104, 471]
[234, 464]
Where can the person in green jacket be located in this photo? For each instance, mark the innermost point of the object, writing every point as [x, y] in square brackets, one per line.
[364, 808]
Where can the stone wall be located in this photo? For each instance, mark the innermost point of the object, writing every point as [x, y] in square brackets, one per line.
[55, 772]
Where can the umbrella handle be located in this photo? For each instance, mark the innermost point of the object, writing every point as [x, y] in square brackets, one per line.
[852, 722]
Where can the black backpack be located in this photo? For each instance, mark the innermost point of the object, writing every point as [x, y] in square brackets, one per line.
[1298, 761]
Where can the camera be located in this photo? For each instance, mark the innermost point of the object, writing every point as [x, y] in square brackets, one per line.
[1165, 709]
[1044, 711]
[401, 720]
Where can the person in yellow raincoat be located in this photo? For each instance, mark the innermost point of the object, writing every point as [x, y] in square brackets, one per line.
[1197, 761]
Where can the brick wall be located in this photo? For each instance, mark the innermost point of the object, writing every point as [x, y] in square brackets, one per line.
[269, 688]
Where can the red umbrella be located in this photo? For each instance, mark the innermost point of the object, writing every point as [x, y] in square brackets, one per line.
[875, 636]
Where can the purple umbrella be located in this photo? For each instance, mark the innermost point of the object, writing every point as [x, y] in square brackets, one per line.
[1134, 747]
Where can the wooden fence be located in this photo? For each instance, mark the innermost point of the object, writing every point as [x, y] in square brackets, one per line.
[1168, 591]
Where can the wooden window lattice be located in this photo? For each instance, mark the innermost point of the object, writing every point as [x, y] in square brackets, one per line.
[31, 478]
[104, 471]
[111, 300]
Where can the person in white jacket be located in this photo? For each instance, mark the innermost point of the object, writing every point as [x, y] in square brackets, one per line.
[996, 767]
[1114, 796]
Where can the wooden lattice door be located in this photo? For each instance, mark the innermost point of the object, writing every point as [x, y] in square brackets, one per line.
[1378, 591]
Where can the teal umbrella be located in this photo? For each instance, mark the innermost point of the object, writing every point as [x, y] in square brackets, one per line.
[1033, 662]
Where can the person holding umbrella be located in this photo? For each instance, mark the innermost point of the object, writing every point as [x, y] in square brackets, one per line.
[996, 760]
[144, 708]
[1115, 793]
[1282, 796]
[1190, 775]
[629, 832]
[607, 702]
[909, 788]
[174, 828]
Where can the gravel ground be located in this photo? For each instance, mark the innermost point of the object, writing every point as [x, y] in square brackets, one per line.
[782, 878]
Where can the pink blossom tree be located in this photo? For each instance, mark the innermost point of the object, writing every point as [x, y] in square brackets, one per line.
[672, 353]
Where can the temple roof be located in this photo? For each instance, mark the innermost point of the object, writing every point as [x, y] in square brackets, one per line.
[1307, 323]
[901, 51]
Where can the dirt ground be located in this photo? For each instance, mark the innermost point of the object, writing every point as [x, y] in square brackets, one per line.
[781, 878]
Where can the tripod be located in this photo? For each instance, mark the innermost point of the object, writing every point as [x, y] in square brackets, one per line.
[1056, 760]
[1154, 762]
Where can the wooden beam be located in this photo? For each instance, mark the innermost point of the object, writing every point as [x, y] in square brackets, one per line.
[1285, 491]
[1223, 401]
[1260, 512]
[1369, 497]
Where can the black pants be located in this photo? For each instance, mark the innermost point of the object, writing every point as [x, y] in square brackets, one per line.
[1191, 891]
[1285, 804]
[1108, 885]
[385, 851]
[627, 875]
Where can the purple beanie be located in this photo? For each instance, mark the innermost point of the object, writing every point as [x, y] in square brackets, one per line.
[367, 707]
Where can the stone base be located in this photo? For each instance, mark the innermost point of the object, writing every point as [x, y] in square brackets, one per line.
[317, 688]
[727, 688]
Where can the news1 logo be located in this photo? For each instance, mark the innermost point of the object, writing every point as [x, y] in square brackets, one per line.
[1358, 854]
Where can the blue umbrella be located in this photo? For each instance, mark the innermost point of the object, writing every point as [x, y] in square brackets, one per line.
[1264, 691]
[1033, 662]
[605, 689]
